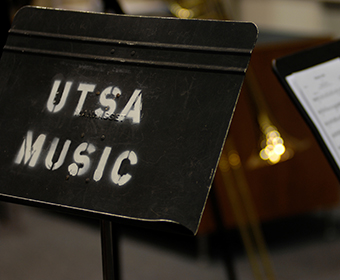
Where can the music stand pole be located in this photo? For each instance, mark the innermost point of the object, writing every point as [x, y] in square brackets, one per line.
[110, 251]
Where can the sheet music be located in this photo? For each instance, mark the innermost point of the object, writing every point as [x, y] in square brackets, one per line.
[318, 90]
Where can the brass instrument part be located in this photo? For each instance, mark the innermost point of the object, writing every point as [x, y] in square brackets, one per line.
[275, 144]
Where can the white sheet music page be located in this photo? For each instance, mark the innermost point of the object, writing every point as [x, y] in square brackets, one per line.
[318, 90]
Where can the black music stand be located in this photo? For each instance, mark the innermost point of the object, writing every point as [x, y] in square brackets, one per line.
[291, 69]
[121, 118]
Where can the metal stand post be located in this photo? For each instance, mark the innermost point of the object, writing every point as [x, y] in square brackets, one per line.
[227, 255]
[109, 236]
[110, 251]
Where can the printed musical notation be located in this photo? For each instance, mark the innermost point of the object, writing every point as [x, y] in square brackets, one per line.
[318, 90]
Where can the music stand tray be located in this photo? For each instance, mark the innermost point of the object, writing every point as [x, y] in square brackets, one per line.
[118, 117]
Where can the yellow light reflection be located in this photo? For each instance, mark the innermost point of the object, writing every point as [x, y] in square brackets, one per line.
[234, 159]
[224, 164]
[279, 149]
[185, 13]
[273, 146]
[181, 12]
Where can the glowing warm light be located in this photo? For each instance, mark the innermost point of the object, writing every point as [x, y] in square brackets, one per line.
[234, 159]
[180, 12]
[272, 147]
[185, 13]
[279, 149]
[224, 165]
